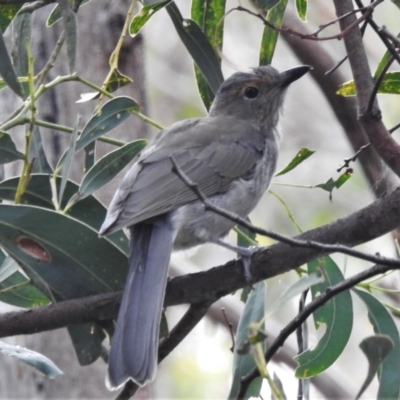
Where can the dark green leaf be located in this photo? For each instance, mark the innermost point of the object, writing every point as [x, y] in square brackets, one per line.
[243, 363]
[376, 349]
[336, 315]
[198, 46]
[266, 4]
[60, 251]
[69, 19]
[301, 7]
[383, 62]
[32, 358]
[209, 15]
[17, 291]
[301, 156]
[270, 36]
[21, 33]
[66, 162]
[87, 339]
[109, 166]
[383, 324]
[90, 153]
[55, 14]
[7, 69]
[8, 151]
[7, 14]
[112, 114]
[144, 15]
[117, 81]
[36, 153]
[38, 193]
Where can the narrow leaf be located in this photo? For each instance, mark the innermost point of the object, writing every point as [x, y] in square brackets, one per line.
[198, 47]
[55, 14]
[383, 324]
[67, 162]
[7, 70]
[301, 156]
[270, 36]
[331, 184]
[243, 362]
[111, 115]
[70, 28]
[383, 62]
[32, 358]
[301, 8]
[209, 15]
[376, 349]
[266, 5]
[37, 154]
[8, 151]
[336, 315]
[109, 166]
[140, 19]
[90, 153]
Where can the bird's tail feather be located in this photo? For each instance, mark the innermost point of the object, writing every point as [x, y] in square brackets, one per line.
[134, 345]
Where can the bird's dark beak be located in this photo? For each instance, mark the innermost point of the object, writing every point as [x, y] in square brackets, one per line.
[291, 75]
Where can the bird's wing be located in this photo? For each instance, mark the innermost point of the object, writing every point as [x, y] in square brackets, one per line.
[210, 159]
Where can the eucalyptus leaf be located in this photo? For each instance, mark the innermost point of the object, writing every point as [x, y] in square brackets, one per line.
[383, 324]
[301, 156]
[337, 317]
[32, 358]
[109, 166]
[55, 14]
[301, 8]
[7, 70]
[198, 47]
[243, 362]
[331, 184]
[8, 151]
[111, 115]
[37, 154]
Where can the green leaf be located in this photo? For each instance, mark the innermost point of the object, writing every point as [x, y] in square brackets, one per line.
[55, 14]
[266, 4]
[209, 15]
[198, 47]
[18, 291]
[390, 85]
[87, 339]
[8, 151]
[109, 166]
[383, 324]
[90, 153]
[36, 153]
[330, 184]
[140, 19]
[21, 33]
[32, 358]
[244, 363]
[270, 36]
[7, 70]
[297, 288]
[69, 19]
[66, 162]
[111, 115]
[301, 8]
[38, 193]
[65, 254]
[376, 349]
[336, 315]
[7, 14]
[383, 62]
[301, 156]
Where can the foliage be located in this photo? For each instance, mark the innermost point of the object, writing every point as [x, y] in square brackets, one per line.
[50, 249]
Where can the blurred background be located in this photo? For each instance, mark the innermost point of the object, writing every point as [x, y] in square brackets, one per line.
[200, 368]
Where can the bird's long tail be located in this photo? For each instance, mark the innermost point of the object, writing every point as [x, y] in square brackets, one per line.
[134, 345]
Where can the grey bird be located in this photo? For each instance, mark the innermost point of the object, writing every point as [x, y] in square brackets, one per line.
[231, 155]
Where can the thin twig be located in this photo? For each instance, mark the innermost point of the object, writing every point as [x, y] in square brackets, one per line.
[331, 248]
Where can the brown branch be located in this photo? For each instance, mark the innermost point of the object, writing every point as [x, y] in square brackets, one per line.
[369, 223]
[370, 120]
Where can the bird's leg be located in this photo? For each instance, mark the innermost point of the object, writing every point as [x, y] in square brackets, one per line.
[245, 253]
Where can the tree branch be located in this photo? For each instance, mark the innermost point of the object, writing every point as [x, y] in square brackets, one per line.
[369, 223]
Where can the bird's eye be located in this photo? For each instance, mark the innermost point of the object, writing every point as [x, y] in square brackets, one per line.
[251, 92]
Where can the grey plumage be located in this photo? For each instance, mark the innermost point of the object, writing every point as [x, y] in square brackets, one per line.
[231, 155]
